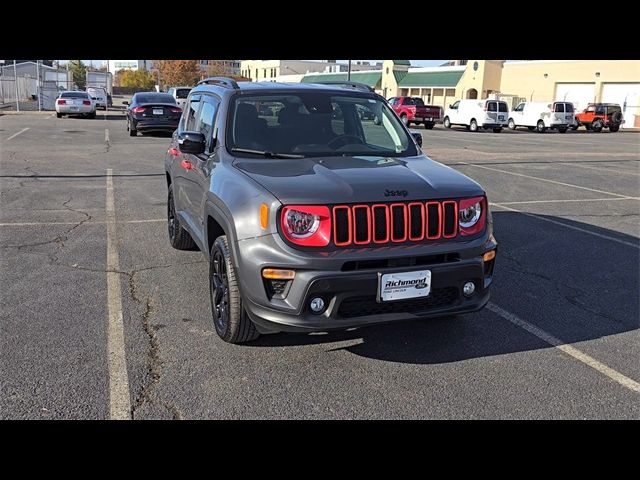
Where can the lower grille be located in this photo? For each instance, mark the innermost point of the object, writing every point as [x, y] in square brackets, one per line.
[367, 305]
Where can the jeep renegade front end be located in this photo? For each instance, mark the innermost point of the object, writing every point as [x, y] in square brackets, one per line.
[315, 217]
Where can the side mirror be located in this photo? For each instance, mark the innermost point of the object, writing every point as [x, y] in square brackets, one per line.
[450, 106]
[417, 137]
[191, 142]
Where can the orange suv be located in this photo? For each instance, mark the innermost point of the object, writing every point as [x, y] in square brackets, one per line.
[600, 115]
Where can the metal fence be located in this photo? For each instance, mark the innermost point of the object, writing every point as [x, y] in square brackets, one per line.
[27, 89]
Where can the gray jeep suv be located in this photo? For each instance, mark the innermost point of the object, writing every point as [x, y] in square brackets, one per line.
[317, 210]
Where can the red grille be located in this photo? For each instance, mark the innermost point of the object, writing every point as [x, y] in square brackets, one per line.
[395, 223]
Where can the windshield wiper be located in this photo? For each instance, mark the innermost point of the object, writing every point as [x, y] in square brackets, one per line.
[266, 154]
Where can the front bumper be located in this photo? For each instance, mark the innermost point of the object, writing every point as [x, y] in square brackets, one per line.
[350, 296]
[495, 125]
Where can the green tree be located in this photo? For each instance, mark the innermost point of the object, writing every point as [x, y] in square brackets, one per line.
[138, 79]
[79, 72]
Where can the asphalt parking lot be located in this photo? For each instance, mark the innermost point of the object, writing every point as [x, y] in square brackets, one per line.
[83, 235]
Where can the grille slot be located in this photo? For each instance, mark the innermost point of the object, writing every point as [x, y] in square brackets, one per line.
[366, 305]
[396, 222]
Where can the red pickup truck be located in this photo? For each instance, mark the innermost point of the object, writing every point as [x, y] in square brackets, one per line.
[413, 110]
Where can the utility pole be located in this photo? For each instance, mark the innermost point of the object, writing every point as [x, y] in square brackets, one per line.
[349, 73]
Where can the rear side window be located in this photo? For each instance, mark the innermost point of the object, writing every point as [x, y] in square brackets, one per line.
[613, 109]
[502, 107]
[418, 101]
[568, 107]
[492, 107]
[599, 109]
[74, 95]
[558, 107]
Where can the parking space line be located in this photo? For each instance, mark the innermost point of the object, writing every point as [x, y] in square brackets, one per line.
[16, 134]
[609, 199]
[119, 396]
[544, 180]
[568, 349]
[604, 169]
[595, 234]
[89, 222]
[52, 115]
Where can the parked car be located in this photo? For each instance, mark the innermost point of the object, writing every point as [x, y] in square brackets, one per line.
[473, 114]
[99, 96]
[600, 115]
[75, 103]
[541, 116]
[312, 223]
[152, 112]
[180, 94]
[413, 110]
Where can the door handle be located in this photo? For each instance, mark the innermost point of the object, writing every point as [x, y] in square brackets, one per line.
[186, 164]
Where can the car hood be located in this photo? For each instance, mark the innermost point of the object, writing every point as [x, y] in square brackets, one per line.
[356, 179]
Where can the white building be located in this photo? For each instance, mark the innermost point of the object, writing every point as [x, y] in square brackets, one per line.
[286, 70]
[117, 65]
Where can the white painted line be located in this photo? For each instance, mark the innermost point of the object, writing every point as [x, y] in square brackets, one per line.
[610, 170]
[568, 349]
[609, 199]
[16, 134]
[119, 396]
[546, 180]
[595, 234]
[52, 115]
[98, 222]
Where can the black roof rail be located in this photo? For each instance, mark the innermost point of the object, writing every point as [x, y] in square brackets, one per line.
[224, 81]
[357, 85]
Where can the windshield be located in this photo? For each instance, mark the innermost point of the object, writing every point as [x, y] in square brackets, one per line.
[316, 124]
[74, 95]
[182, 92]
[155, 98]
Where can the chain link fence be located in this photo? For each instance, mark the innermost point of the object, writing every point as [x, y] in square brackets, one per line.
[34, 88]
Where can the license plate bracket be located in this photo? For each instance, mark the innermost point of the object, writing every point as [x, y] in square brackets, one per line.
[403, 285]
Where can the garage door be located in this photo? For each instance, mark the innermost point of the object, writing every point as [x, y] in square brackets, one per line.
[580, 94]
[627, 95]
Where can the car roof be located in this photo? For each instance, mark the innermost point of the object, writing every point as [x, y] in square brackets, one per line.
[279, 86]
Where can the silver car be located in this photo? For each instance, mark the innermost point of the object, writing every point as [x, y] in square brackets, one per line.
[75, 103]
[180, 94]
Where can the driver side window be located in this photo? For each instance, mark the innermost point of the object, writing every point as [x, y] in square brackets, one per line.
[455, 105]
[519, 108]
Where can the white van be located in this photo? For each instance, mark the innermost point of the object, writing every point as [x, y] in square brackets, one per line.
[473, 114]
[543, 115]
[180, 94]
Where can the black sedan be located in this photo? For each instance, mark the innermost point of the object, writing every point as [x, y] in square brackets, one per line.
[152, 112]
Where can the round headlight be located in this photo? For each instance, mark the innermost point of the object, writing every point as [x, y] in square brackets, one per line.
[301, 224]
[469, 216]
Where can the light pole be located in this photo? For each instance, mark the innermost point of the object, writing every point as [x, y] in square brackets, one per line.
[349, 72]
[15, 81]
[38, 88]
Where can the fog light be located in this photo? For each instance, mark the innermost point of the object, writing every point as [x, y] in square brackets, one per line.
[468, 289]
[317, 305]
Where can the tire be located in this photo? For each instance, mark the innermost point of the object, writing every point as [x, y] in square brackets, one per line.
[428, 125]
[132, 132]
[497, 130]
[540, 128]
[614, 128]
[92, 115]
[588, 126]
[597, 125]
[512, 124]
[616, 117]
[446, 122]
[404, 119]
[59, 115]
[574, 127]
[230, 319]
[531, 129]
[178, 236]
[562, 130]
[473, 126]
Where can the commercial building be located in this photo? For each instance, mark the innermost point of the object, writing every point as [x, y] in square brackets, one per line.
[278, 70]
[117, 65]
[230, 67]
[577, 81]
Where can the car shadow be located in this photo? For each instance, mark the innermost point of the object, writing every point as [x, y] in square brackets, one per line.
[545, 273]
